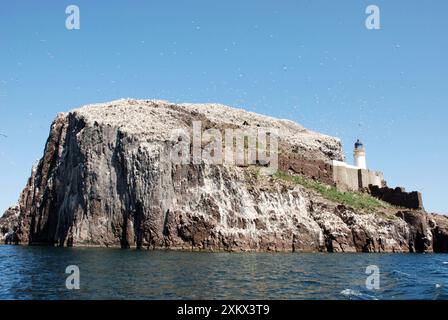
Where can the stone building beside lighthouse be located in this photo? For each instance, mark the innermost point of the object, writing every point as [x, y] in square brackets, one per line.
[352, 177]
[356, 177]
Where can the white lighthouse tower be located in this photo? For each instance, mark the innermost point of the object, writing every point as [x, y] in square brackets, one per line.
[359, 155]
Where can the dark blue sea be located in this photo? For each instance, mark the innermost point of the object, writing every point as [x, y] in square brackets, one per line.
[40, 273]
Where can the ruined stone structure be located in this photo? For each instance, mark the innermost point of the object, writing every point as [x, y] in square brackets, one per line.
[346, 177]
[343, 176]
[359, 178]
[398, 196]
[315, 169]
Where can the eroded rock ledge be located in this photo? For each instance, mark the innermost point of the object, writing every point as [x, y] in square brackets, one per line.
[103, 180]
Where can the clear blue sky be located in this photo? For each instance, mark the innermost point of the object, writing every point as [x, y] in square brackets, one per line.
[310, 61]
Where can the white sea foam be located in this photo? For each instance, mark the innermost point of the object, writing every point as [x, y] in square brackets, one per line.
[350, 292]
[401, 273]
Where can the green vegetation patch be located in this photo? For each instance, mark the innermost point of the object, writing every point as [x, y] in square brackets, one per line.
[356, 200]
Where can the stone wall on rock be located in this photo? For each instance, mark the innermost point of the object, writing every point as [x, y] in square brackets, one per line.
[370, 177]
[334, 173]
[312, 168]
[398, 196]
[345, 179]
[350, 178]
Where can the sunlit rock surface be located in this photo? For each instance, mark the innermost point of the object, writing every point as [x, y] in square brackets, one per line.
[105, 179]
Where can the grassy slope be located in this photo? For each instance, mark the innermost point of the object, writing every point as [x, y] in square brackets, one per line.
[356, 200]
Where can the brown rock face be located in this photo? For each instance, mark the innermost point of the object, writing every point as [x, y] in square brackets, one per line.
[105, 179]
[420, 235]
[439, 228]
[10, 227]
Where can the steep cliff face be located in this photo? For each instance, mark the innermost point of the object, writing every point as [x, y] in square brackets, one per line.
[106, 179]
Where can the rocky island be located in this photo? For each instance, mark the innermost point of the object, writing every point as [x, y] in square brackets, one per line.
[104, 180]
